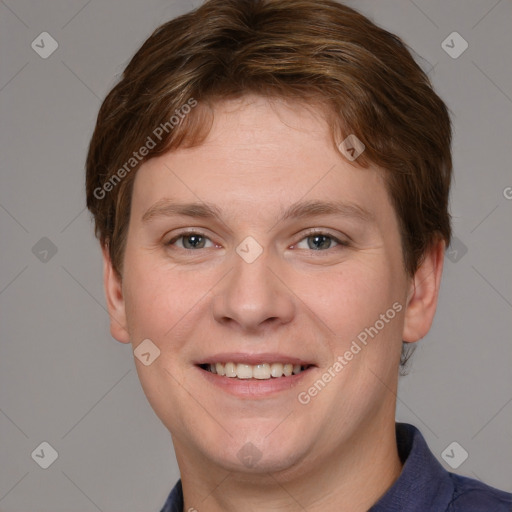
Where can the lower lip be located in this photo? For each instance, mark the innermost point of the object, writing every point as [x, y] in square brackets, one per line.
[254, 388]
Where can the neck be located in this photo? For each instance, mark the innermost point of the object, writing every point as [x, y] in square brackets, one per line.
[353, 477]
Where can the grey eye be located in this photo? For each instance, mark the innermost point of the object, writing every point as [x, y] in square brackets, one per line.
[318, 242]
[191, 241]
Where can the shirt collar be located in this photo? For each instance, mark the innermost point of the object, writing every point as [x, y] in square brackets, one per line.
[423, 483]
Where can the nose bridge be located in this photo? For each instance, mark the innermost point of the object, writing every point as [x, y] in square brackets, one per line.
[251, 296]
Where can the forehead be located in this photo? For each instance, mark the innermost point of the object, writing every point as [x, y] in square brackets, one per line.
[261, 156]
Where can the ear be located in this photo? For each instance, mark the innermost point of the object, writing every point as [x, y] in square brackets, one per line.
[423, 294]
[115, 300]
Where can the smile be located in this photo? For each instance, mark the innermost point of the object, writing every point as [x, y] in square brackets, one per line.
[261, 371]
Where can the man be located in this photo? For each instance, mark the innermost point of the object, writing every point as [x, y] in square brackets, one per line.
[270, 183]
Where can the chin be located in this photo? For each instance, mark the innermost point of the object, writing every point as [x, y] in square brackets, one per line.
[255, 454]
[253, 462]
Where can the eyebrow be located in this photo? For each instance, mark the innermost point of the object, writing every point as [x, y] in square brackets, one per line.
[168, 208]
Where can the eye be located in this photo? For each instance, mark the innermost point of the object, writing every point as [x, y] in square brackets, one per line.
[191, 241]
[319, 242]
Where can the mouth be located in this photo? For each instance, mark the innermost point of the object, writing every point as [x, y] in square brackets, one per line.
[259, 371]
[255, 376]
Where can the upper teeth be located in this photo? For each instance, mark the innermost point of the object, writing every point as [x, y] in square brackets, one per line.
[256, 371]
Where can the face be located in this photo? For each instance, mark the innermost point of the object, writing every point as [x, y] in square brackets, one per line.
[267, 252]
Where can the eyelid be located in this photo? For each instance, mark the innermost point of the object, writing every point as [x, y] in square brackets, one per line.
[189, 231]
[341, 240]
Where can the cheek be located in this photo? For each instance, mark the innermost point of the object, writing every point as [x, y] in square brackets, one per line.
[363, 310]
[149, 296]
[353, 298]
[162, 301]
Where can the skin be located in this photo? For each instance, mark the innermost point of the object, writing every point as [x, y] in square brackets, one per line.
[337, 452]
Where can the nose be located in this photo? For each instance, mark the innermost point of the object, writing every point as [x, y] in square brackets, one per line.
[253, 297]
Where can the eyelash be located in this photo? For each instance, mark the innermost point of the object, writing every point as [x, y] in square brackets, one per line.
[309, 234]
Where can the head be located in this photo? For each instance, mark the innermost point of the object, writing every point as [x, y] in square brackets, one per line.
[271, 177]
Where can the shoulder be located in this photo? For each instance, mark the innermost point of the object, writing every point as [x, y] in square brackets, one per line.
[470, 495]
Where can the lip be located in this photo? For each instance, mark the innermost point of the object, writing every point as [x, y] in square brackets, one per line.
[252, 359]
[254, 388]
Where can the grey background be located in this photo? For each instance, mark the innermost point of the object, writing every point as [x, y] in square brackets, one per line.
[63, 379]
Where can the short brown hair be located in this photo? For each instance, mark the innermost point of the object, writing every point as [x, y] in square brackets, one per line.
[303, 50]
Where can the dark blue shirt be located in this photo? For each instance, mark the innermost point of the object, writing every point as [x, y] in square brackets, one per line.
[423, 485]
